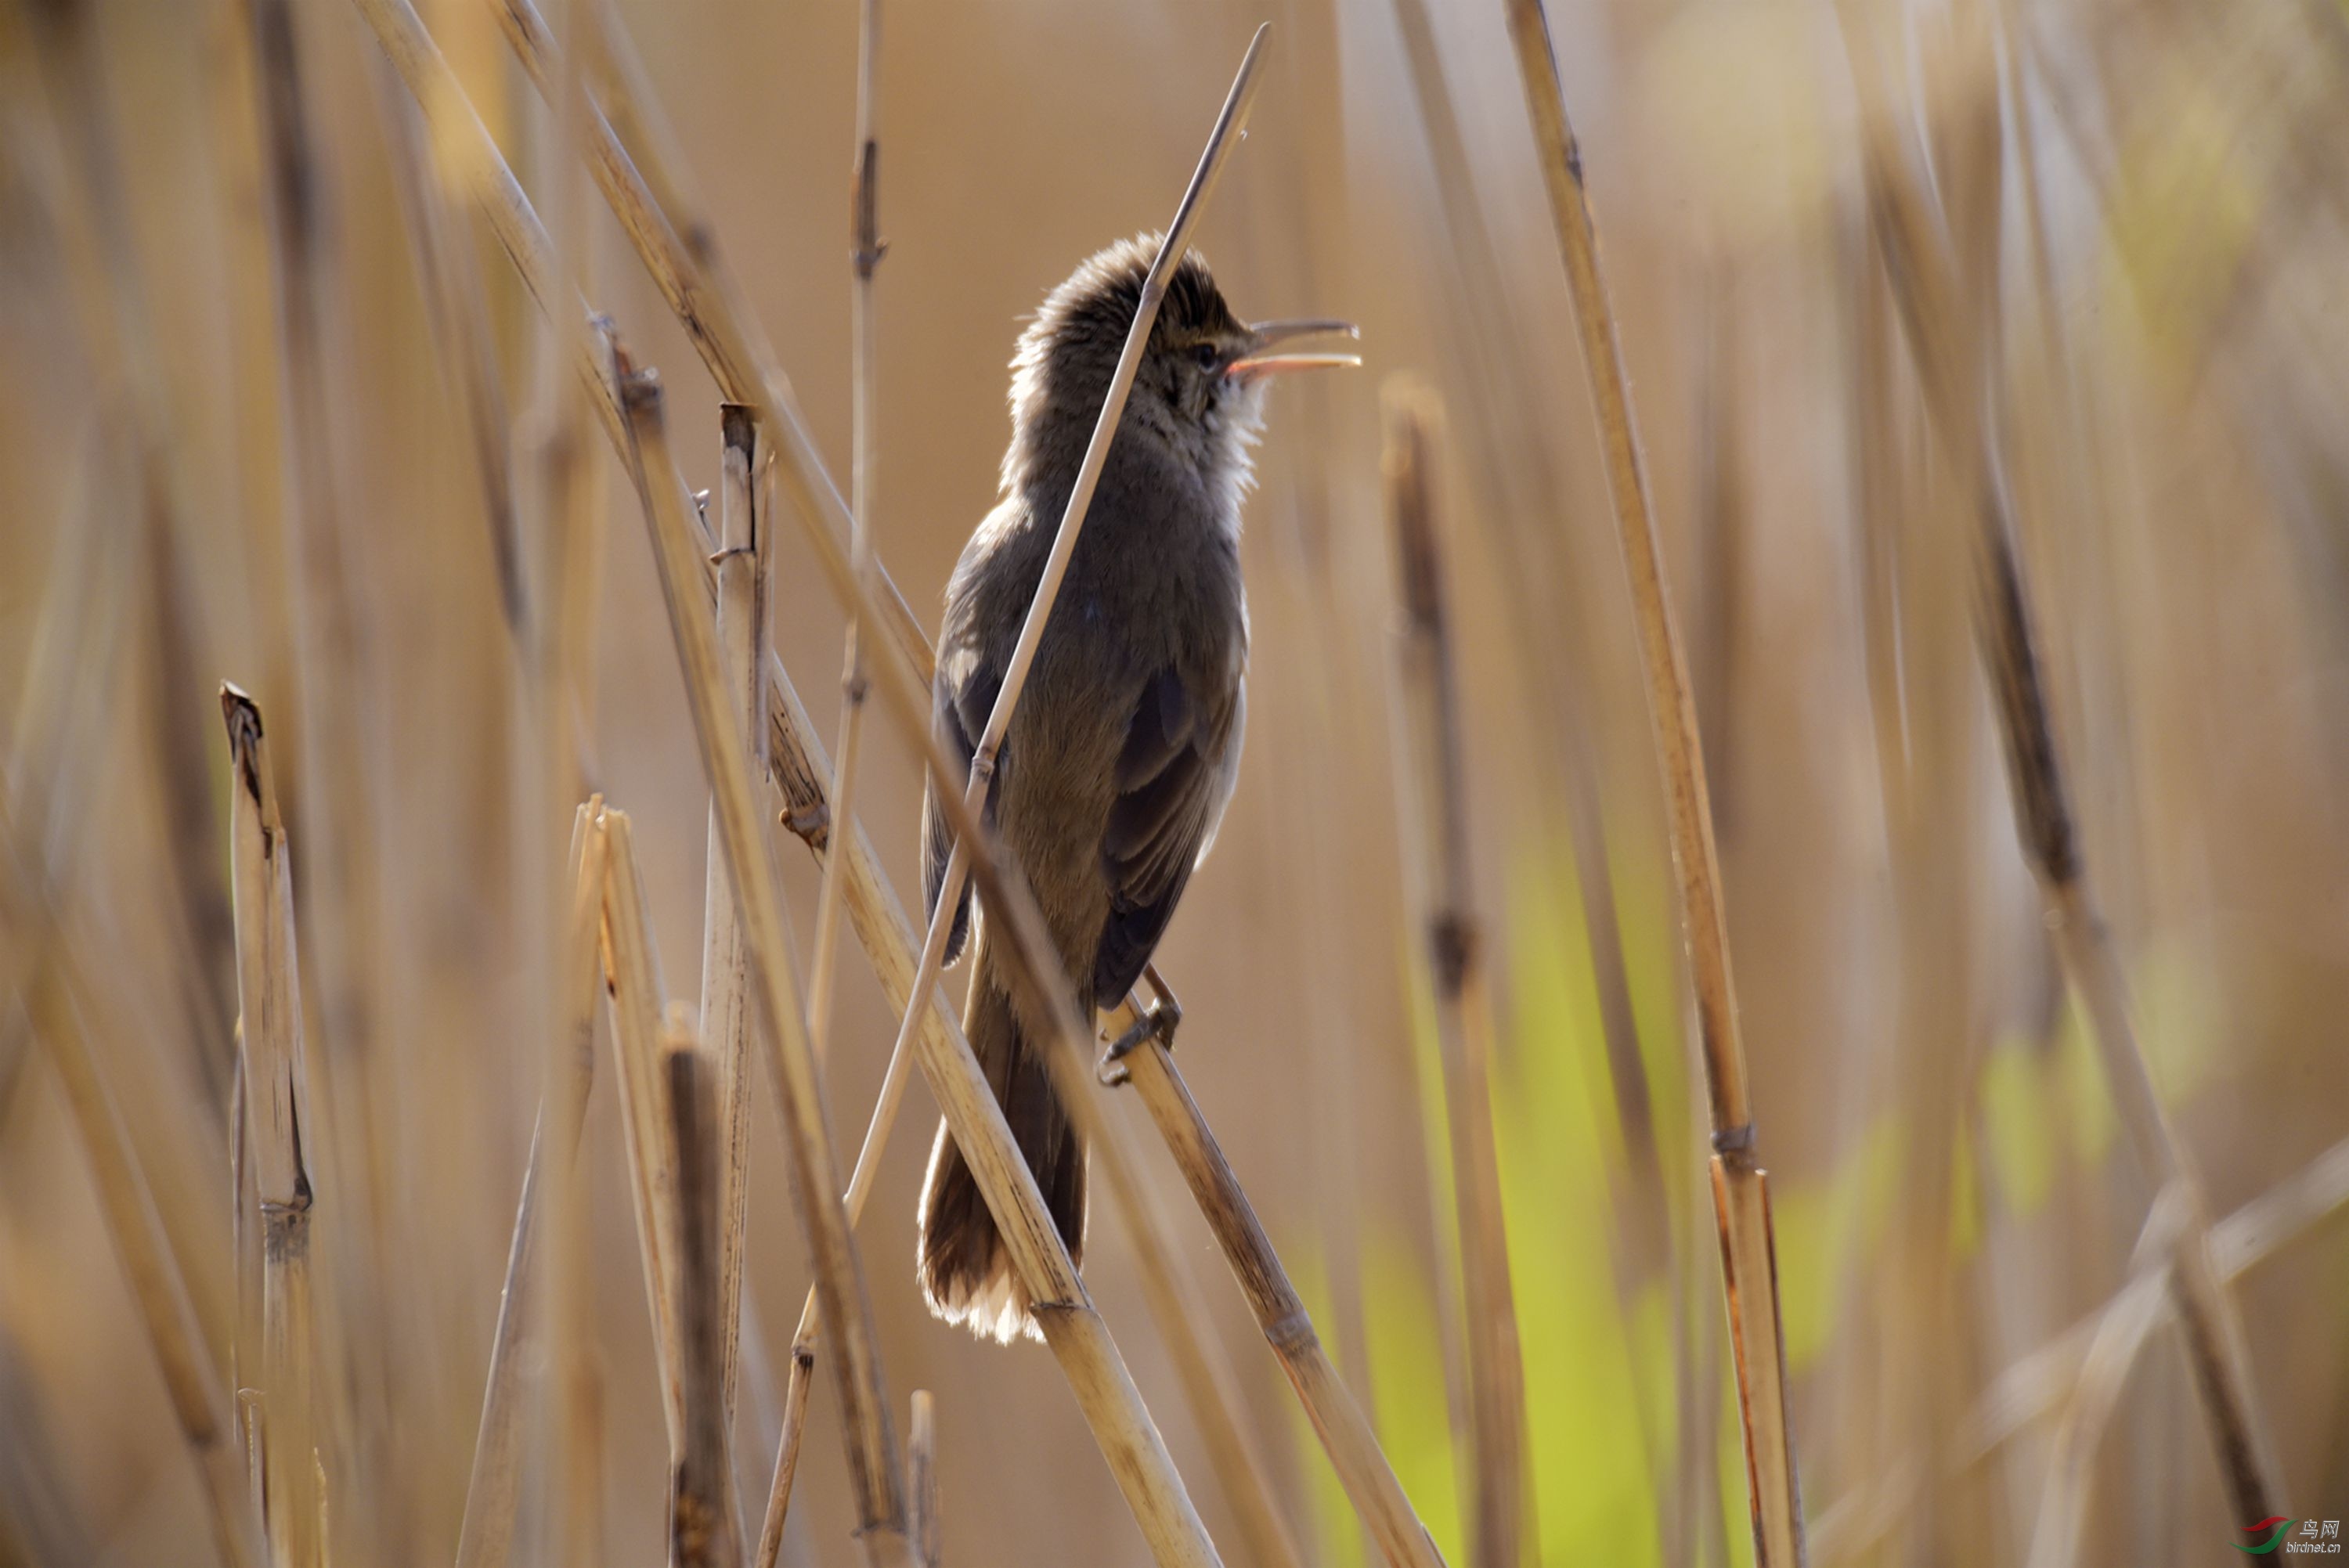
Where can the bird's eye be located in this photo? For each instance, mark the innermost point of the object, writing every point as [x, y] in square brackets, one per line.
[1208, 356]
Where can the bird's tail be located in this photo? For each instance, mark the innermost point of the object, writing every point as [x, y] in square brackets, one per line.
[965, 1270]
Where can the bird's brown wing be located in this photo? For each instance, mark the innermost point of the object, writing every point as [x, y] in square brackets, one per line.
[1174, 777]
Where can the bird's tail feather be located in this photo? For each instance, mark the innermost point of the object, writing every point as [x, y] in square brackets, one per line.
[966, 1271]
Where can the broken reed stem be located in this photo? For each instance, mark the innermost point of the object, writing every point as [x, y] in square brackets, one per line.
[277, 1106]
[199, 1402]
[1741, 1190]
[741, 568]
[1229, 126]
[632, 985]
[922, 1478]
[874, 1462]
[787, 1452]
[333, 665]
[701, 1529]
[485, 1536]
[1435, 818]
[879, 919]
[1923, 271]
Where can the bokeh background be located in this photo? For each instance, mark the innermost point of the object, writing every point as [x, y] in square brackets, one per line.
[2151, 196]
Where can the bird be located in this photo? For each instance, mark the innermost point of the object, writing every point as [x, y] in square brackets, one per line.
[1123, 752]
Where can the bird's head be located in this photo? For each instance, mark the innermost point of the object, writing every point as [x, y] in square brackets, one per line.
[1198, 394]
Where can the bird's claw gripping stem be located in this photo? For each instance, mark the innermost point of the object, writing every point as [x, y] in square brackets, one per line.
[1157, 1022]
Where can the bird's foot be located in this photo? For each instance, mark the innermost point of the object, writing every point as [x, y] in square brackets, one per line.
[1157, 1022]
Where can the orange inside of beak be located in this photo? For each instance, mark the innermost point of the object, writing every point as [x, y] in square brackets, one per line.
[1267, 334]
[1260, 364]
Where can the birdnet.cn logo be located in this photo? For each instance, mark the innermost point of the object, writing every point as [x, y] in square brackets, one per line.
[2277, 1534]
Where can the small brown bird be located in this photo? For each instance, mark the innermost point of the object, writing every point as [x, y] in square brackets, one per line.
[1124, 750]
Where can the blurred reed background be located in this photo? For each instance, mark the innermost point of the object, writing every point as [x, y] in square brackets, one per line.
[252, 325]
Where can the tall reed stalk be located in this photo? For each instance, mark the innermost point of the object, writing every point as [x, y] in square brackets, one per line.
[922, 1478]
[864, 254]
[633, 991]
[742, 566]
[1435, 818]
[702, 1532]
[1741, 1191]
[273, 1078]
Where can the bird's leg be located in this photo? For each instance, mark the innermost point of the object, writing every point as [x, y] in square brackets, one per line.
[1158, 1022]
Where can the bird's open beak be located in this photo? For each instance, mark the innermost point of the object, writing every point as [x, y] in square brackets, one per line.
[1267, 335]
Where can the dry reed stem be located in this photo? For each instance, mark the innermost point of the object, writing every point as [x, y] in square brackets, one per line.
[702, 1533]
[741, 567]
[875, 1464]
[277, 1104]
[1210, 1385]
[553, 746]
[485, 1535]
[1434, 817]
[572, 1515]
[333, 659]
[199, 1402]
[1741, 1191]
[335, 754]
[1955, 376]
[244, 1242]
[632, 985]
[864, 255]
[922, 1478]
[787, 1452]
[1338, 1420]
